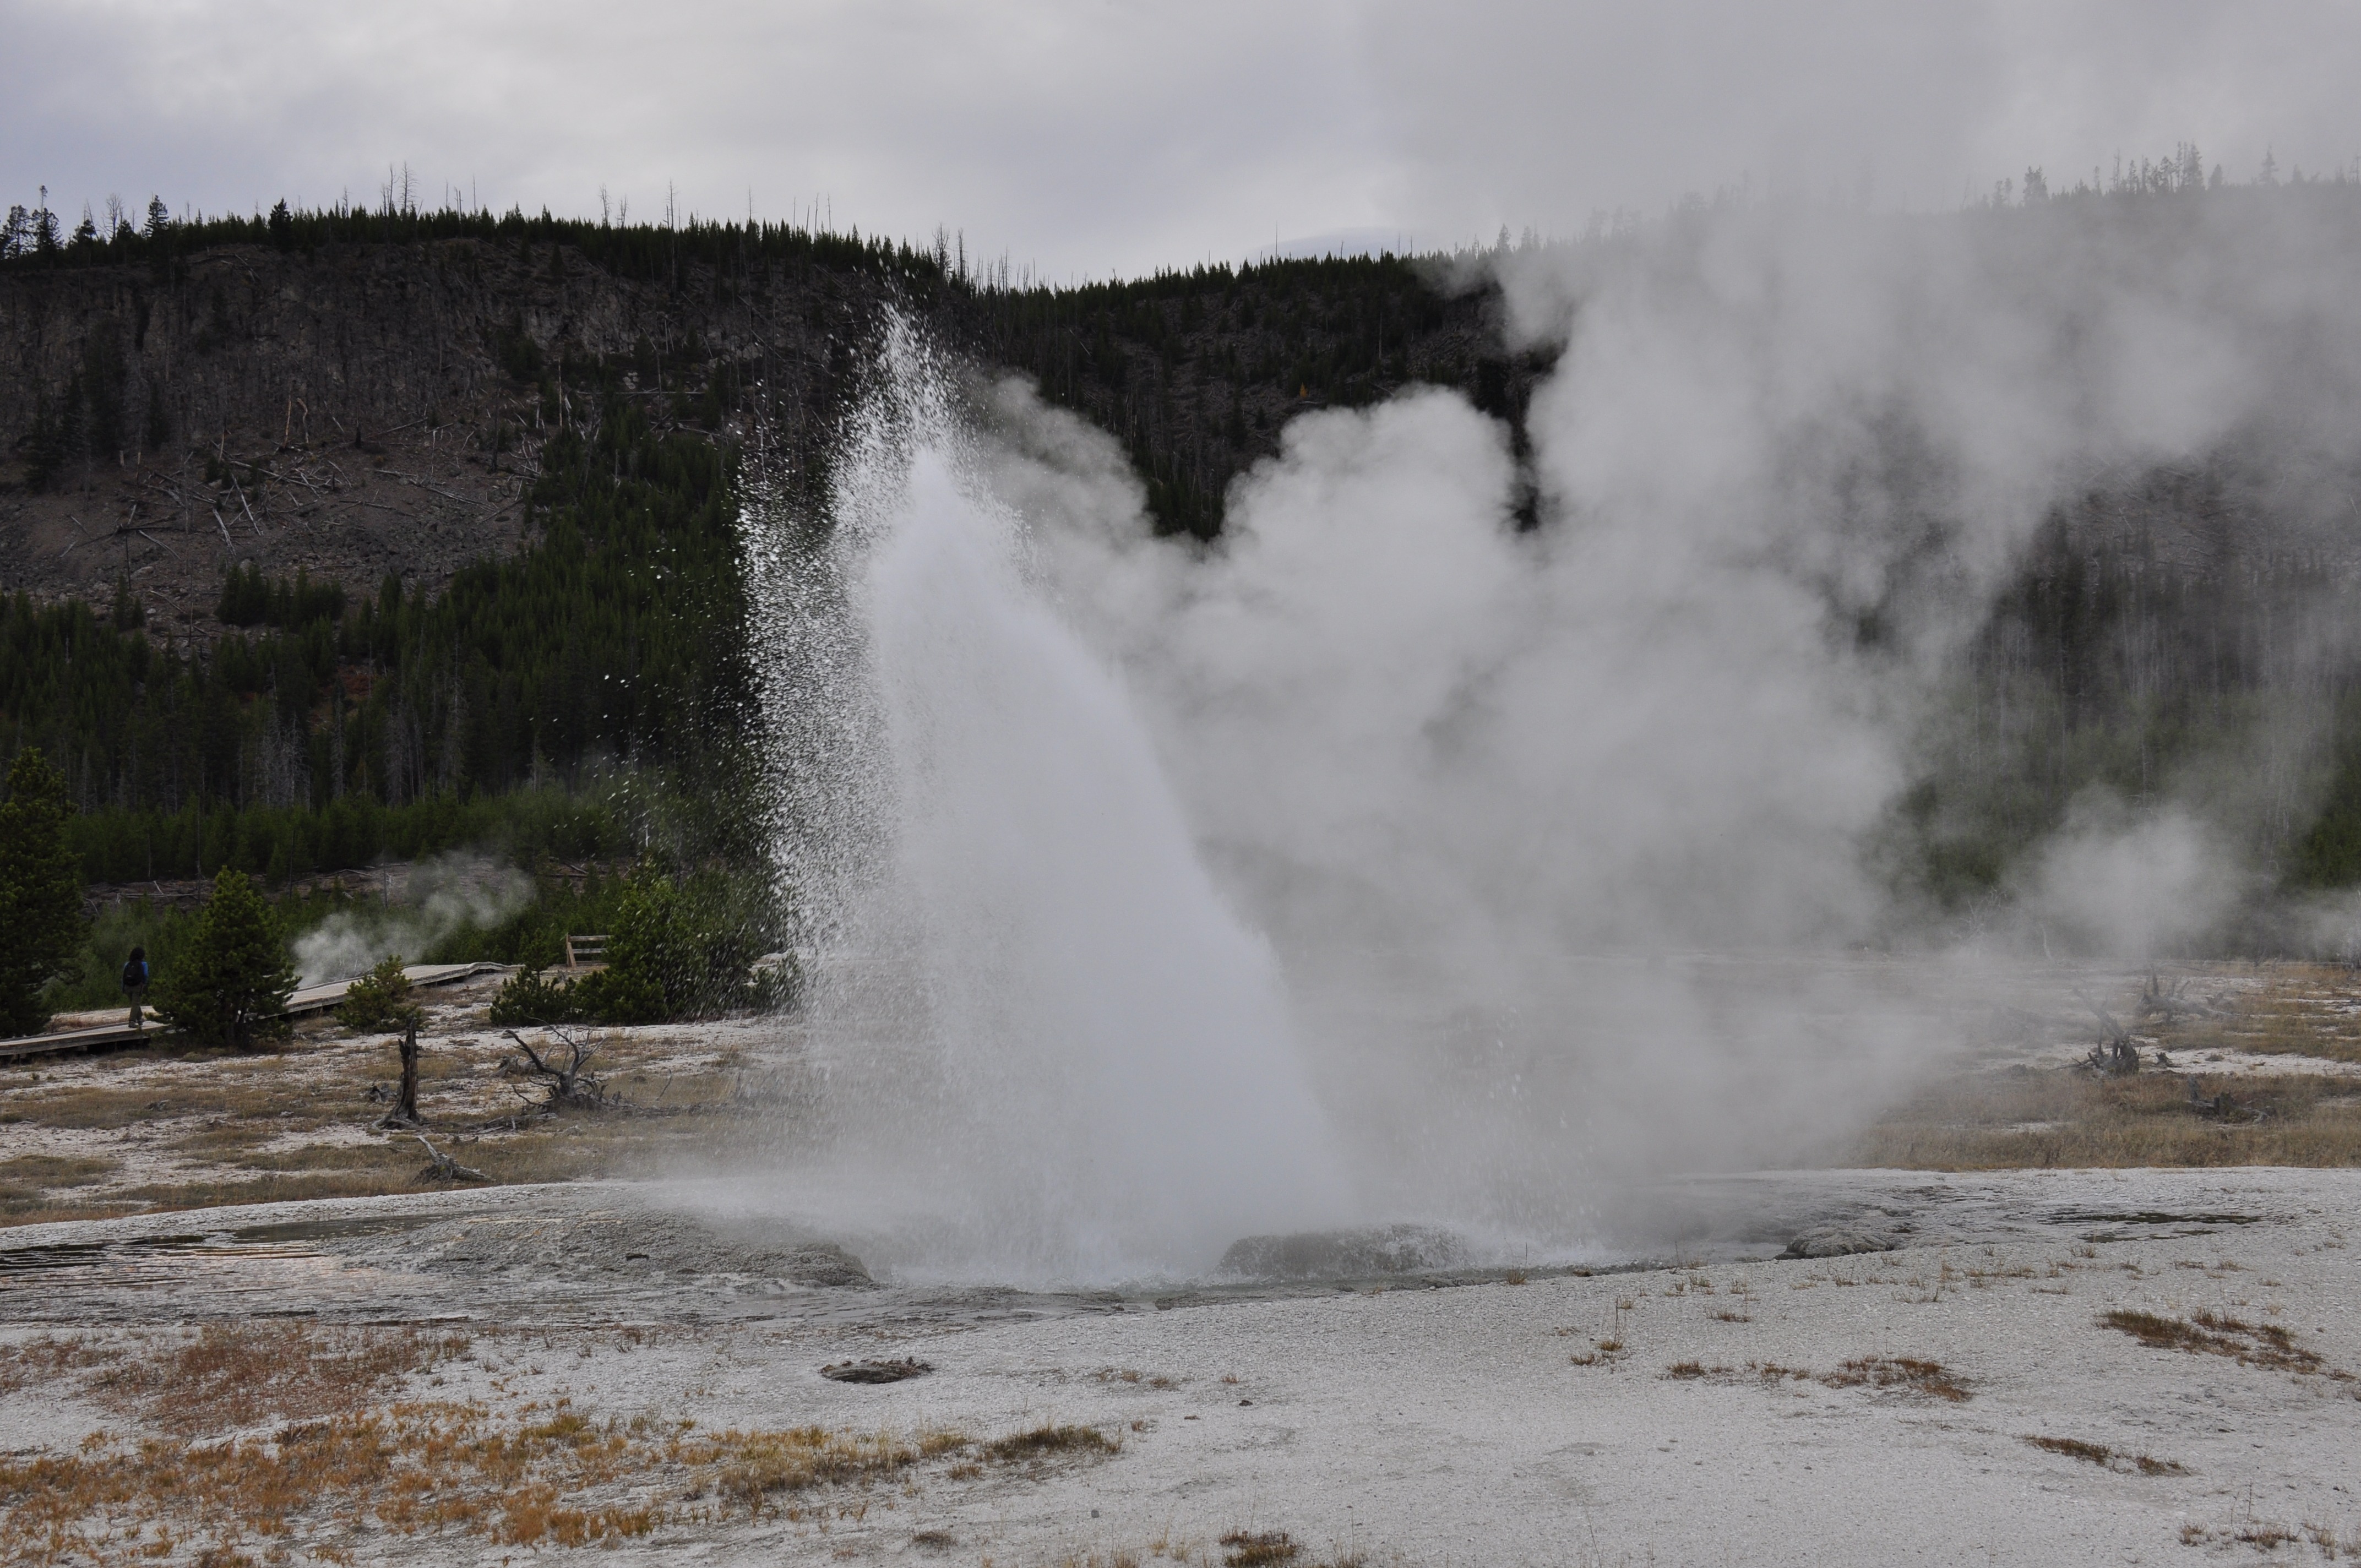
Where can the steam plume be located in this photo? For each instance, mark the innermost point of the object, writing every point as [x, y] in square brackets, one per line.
[1553, 832]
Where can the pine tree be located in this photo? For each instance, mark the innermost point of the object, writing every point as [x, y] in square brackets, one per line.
[379, 1000]
[45, 228]
[42, 924]
[234, 976]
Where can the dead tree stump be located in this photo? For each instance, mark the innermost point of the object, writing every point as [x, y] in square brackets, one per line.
[406, 1107]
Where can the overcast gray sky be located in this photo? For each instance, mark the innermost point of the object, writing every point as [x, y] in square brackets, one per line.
[1098, 136]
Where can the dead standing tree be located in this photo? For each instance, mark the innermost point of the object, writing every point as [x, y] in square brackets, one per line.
[382, 999]
[405, 1108]
[570, 1089]
[404, 1115]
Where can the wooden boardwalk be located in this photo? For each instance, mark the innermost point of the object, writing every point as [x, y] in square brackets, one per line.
[311, 999]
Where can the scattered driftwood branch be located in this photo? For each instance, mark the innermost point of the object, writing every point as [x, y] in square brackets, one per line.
[2172, 1002]
[239, 491]
[442, 1168]
[2116, 1058]
[122, 531]
[2223, 1107]
[424, 485]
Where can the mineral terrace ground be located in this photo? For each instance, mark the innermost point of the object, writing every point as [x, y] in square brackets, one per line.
[2115, 1365]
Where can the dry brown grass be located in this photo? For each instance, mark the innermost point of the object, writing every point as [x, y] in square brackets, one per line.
[1900, 1373]
[58, 1170]
[281, 1434]
[31, 1183]
[1889, 1374]
[231, 1128]
[1049, 1440]
[277, 1188]
[2067, 1117]
[232, 1374]
[2311, 1010]
[2107, 1458]
[754, 1466]
[2267, 1536]
[1258, 1549]
[116, 1090]
[550, 1475]
[2215, 1333]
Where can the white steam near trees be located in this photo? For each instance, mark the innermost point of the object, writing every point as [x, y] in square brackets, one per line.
[1540, 823]
[439, 897]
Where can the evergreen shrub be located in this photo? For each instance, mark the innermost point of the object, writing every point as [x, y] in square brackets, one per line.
[526, 997]
[379, 1000]
[232, 982]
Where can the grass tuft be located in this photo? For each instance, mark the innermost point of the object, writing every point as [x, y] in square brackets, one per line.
[2107, 1458]
[2212, 1333]
[1048, 1439]
[1242, 1549]
[1900, 1373]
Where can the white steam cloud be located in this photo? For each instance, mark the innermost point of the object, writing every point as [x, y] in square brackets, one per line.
[1556, 834]
[440, 897]
[2132, 887]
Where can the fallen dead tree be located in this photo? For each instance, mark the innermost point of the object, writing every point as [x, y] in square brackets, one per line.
[2172, 1002]
[441, 1166]
[2223, 1107]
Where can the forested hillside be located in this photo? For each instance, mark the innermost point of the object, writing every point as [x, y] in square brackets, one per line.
[316, 519]
[333, 535]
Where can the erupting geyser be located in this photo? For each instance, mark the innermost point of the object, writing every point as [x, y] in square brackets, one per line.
[1392, 862]
[1053, 1050]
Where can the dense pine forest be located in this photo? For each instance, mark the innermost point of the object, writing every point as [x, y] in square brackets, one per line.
[314, 733]
[340, 536]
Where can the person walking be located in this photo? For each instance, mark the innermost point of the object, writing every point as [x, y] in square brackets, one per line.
[134, 983]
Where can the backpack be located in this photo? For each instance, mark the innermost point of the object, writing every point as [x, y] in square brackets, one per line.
[134, 974]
